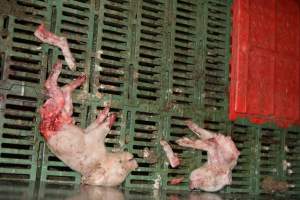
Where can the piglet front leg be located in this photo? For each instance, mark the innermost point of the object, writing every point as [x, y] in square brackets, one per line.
[200, 132]
[172, 157]
[97, 131]
[103, 117]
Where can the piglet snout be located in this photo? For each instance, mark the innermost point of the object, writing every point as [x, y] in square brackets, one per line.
[130, 162]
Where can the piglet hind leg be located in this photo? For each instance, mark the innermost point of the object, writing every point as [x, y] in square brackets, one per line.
[55, 103]
[67, 92]
[195, 144]
[63, 138]
[51, 86]
[52, 112]
[45, 36]
[200, 132]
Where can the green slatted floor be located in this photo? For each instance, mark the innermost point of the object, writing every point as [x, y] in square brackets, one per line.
[158, 62]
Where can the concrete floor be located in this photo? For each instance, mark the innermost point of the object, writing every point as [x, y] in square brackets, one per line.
[10, 190]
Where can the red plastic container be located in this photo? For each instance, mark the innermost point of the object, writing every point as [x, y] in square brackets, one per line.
[265, 61]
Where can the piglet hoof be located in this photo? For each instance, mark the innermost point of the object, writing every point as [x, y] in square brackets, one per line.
[82, 78]
[111, 120]
[184, 141]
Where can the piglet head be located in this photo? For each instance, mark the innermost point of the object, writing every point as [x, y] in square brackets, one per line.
[210, 178]
[117, 166]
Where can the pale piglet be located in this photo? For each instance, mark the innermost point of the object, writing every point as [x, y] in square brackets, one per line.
[83, 150]
[222, 156]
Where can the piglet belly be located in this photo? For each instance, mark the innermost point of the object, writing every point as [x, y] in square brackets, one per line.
[69, 146]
